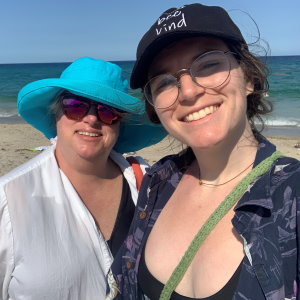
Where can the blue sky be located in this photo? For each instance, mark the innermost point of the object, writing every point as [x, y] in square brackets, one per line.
[63, 30]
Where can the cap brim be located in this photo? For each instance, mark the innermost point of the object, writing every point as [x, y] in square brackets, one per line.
[141, 67]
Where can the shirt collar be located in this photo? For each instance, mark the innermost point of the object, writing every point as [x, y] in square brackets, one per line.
[260, 193]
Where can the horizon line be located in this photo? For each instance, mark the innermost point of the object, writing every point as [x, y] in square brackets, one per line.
[131, 60]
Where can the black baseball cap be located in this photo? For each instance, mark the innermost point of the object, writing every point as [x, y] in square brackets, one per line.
[177, 23]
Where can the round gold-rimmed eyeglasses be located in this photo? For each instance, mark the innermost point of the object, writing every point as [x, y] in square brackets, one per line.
[209, 70]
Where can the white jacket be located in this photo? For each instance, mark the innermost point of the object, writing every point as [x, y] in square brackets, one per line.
[50, 247]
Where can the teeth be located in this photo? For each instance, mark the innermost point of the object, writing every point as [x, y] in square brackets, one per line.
[88, 133]
[208, 110]
[196, 115]
[201, 113]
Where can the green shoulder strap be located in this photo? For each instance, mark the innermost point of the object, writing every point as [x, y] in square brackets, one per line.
[212, 221]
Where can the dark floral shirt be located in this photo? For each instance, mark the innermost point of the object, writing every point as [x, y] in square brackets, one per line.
[267, 217]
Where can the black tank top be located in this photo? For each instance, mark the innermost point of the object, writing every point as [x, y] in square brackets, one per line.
[123, 220]
[152, 287]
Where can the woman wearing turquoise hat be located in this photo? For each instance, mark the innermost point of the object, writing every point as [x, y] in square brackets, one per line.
[64, 214]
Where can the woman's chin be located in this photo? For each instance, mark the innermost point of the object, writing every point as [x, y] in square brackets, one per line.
[203, 141]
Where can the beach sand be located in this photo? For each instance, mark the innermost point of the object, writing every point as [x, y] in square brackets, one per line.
[18, 138]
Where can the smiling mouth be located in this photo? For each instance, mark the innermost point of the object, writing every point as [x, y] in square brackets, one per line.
[201, 113]
[88, 133]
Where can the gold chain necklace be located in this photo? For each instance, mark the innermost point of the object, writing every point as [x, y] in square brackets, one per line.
[211, 184]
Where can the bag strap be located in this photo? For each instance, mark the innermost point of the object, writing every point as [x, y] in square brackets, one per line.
[212, 221]
[138, 173]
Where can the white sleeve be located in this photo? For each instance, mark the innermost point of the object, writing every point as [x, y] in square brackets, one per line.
[6, 247]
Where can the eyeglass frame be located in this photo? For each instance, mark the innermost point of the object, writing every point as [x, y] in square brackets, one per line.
[183, 71]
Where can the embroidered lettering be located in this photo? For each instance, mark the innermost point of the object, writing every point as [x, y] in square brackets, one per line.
[172, 26]
[174, 14]
[158, 31]
[181, 22]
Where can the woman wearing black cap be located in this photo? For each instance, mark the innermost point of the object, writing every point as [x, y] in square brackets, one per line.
[218, 220]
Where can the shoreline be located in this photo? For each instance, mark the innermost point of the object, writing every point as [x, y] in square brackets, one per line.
[17, 138]
[12, 120]
[282, 131]
[269, 130]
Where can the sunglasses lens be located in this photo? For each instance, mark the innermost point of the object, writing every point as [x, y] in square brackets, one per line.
[75, 109]
[106, 114]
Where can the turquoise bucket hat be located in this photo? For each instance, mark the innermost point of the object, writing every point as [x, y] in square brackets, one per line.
[100, 81]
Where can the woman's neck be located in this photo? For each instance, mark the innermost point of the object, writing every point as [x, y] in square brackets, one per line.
[225, 160]
[96, 167]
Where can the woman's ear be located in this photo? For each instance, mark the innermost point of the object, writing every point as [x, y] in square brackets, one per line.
[249, 88]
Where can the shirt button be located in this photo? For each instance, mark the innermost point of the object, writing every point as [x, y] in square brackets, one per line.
[129, 264]
[143, 215]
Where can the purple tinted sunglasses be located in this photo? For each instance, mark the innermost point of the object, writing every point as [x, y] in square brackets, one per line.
[76, 108]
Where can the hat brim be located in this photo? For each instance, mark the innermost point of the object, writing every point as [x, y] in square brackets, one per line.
[34, 100]
[137, 133]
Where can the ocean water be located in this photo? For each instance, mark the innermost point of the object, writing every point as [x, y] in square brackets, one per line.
[14, 76]
[284, 80]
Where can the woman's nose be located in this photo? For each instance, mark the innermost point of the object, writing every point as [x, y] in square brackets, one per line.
[188, 88]
[92, 114]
